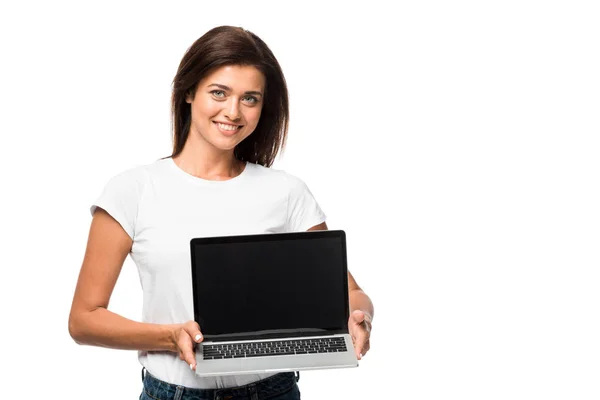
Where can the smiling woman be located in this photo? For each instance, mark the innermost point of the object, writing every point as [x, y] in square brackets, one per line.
[236, 67]
[230, 118]
[222, 118]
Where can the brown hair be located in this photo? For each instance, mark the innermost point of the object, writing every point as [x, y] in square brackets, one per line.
[228, 45]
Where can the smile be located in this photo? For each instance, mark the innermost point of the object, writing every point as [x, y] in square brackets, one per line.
[227, 127]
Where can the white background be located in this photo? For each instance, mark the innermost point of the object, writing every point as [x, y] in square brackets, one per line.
[455, 142]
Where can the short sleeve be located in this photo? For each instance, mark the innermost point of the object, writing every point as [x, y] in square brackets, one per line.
[303, 210]
[120, 198]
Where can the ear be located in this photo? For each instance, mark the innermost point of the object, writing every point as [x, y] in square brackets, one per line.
[189, 95]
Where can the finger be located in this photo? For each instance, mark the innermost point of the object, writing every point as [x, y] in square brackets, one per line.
[185, 343]
[361, 339]
[193, 329]
[189, 357]
[362, 352]
[366, 348]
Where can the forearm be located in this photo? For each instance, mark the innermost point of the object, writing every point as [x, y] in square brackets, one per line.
[360, 301]
[106, 329]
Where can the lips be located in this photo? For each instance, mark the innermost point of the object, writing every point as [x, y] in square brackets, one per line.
[227, 129]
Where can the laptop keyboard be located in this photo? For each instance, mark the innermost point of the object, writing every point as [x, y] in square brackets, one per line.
[274, 348]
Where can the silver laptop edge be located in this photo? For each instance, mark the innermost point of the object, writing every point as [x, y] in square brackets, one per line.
[268, 364]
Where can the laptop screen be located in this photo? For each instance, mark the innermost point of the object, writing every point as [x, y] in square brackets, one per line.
[271, 285]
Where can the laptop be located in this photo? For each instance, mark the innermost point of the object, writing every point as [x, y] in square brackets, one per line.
[271, 302]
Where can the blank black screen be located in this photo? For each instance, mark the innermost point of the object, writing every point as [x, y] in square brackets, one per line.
[260, 286]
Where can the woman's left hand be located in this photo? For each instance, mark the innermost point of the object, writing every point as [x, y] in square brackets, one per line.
[359, 326]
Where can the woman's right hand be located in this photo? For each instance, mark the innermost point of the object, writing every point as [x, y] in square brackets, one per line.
[185, 336]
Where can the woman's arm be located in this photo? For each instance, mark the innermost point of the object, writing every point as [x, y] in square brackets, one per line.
[89, 321]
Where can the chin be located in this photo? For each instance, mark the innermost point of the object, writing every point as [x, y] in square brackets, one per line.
[227, 143]
[225, 146]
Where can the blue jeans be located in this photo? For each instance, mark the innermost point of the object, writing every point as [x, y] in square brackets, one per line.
[278, 387]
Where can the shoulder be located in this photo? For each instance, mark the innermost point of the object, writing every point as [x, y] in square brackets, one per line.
[132, 181]
[302, 209]
[140, 174]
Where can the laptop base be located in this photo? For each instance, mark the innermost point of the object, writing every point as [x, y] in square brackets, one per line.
[273, 364]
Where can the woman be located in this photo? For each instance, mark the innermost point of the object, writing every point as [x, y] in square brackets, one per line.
[230, 116]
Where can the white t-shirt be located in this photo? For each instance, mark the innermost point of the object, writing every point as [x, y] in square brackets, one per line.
[162, 207]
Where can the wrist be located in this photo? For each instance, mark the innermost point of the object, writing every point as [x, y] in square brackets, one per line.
[172, 332]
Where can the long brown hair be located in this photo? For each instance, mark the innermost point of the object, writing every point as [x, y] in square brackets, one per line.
[228, 45]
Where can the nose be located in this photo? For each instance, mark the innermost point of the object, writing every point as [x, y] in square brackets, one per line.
[232, 110]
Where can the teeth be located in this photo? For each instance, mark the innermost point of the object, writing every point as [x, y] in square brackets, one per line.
[227, 127]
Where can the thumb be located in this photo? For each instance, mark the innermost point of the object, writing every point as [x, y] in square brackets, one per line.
[193, 329]
[358, 316]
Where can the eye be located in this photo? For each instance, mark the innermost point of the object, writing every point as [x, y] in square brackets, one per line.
[250, 100]
[218, 93]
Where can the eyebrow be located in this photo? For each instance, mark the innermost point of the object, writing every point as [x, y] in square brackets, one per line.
[229, 89]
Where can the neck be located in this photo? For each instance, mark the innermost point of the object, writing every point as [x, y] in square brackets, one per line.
[209, 163]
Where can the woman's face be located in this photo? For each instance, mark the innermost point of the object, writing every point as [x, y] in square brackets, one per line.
[227, 105]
